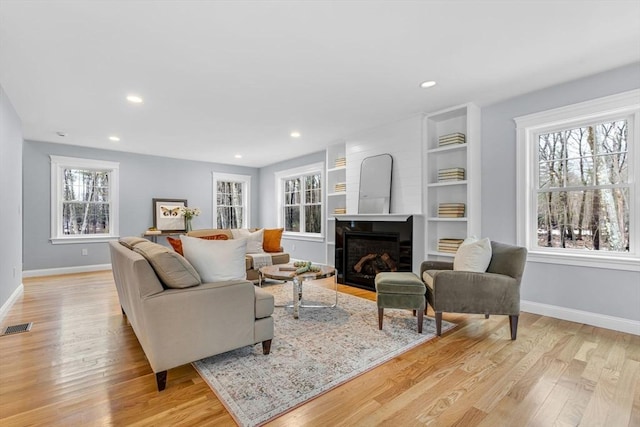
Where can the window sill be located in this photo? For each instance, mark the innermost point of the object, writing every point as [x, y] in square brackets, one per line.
[81, 239]
[580, 260]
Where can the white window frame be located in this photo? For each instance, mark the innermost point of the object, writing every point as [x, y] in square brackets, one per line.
[624, 105]
[245, 180]
[58, 164]
[280, 177]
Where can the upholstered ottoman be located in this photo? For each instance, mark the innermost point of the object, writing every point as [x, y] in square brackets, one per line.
[400, 290]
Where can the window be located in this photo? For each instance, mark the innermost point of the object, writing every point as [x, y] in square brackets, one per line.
[231, 200]
[300, 200]
[84, 200]
[577, 183]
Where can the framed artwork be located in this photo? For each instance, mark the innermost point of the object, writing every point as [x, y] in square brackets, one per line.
[167, 215]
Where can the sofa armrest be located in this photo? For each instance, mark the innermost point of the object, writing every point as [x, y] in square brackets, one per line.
[183, 325]
[435, 265]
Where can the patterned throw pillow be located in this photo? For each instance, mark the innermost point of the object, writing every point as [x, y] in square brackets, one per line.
[176, 244]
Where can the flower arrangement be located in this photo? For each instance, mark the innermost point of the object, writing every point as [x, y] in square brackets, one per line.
[188, 214]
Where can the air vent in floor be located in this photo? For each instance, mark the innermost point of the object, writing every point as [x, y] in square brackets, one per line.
[16, 329]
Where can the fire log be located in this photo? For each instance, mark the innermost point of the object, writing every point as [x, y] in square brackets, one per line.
[358, 267]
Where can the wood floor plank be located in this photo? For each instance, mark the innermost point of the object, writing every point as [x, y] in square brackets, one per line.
[82, 365]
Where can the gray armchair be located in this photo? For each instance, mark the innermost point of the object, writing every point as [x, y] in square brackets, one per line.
[497, 291]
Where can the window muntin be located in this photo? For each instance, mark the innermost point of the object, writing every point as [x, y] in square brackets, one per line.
[84, 200]
[583, 188]
[231, 200]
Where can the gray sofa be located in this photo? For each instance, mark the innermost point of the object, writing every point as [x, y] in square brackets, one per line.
[187, 320]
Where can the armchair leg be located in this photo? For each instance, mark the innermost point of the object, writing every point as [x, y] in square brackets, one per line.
[266, 346]
[513, 325]
[486, 315]
[380, 314]
[161, 380]
[438, 323]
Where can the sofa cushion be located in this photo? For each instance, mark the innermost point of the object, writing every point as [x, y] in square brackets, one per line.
[272, 240]
[131, 241]
[254, 240]
[173, 270]
[216, 260]
[473, 255]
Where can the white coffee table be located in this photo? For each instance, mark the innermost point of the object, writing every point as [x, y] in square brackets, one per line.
[284, 273]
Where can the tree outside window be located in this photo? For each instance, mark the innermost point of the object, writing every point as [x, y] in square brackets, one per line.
[303, 204]
[231, 200]
[84, 199]
[578, 169]
[583, 188]
[301, 199]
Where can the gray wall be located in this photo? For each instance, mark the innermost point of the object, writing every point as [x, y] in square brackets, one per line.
[299, 249]
[142, 178]
[608, 292]
[11, 197]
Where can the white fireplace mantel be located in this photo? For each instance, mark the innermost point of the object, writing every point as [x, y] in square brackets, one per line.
[375, 217]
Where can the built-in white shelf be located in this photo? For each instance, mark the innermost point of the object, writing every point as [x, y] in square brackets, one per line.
[447, 183]
[464, 119]
[335, 199]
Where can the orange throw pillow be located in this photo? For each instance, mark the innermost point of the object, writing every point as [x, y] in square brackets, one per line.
[271, 240]
[176, 244]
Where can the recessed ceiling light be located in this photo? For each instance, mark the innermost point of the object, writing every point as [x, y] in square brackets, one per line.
[134, 99]
[114, 138]
[295, 134]
[428, 83]
[62, 134]
[238, 156]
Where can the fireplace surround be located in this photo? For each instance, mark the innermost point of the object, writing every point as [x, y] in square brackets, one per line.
[366, 246]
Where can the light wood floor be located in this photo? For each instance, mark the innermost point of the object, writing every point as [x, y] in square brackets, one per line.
[82, 365]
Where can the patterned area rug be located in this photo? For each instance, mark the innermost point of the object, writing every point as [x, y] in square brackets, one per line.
[322, 349]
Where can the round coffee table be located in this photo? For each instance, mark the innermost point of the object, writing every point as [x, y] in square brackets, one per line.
[287, 273]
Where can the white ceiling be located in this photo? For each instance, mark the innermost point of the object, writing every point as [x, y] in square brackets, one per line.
[221, 78]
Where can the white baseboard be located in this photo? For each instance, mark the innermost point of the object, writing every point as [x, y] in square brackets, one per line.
[66, 270]
[594, 319]
[12, 299]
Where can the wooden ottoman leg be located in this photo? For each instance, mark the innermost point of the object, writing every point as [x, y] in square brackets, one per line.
[380, 314]
[420, 319]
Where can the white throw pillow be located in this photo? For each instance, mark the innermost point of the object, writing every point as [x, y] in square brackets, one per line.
[473, 255]
[254, 240]
[216, 260]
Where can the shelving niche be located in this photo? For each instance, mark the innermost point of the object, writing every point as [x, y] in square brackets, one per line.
[464, 120]
[336, 175]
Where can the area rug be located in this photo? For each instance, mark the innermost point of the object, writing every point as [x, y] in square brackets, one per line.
[320, 350]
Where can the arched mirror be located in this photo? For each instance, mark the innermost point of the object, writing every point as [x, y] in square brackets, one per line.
[375, 185]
